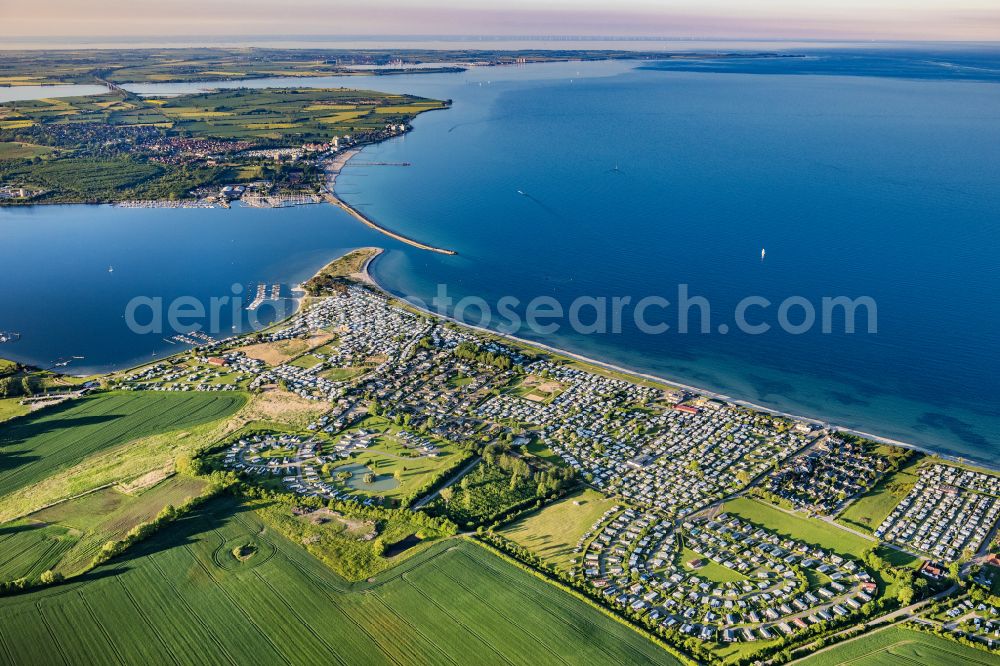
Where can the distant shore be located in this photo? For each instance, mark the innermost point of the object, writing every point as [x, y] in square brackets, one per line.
[667, 382]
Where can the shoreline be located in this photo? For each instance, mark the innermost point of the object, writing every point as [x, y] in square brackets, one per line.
[329, 195]
[369, 279]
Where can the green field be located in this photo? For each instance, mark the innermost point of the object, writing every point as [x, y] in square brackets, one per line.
[341, 374]
[868, 511]
[811, 531]
[399, 470]
[905, 647]
[293, 115]
[554, 531]
[17, 150]
[36, 446]
[11, 407]
[182, 597]
[709, 570]
[66, 536]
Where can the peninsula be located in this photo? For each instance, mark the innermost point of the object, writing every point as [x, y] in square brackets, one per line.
[361, 438]
[267, 146]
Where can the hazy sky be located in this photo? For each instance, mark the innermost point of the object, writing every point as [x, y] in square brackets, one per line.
[825, 19]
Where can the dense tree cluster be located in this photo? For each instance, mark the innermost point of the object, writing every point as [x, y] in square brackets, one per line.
[14, 386]
[472, 352]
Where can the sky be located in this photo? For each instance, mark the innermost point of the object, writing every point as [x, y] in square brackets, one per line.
[940, 20]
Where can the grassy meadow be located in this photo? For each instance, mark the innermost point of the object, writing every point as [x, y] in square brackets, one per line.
[868, 511]
[37, 446]
[820, 533]
[184, 597]
[554, 531]
[66, 536]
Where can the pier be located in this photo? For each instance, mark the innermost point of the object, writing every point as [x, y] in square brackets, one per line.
[259, 298]
[360, 217]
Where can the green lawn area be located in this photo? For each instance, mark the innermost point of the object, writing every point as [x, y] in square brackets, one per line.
[387, 455]
[459, 382]
[183, 597]
[536, 448]
[709, 570]
[554, 531]
[65, 537]
[808, 530]
[35, 447]
[898, 645]
[868, 511]
[341, 374]
[306, 361]
[11, 407]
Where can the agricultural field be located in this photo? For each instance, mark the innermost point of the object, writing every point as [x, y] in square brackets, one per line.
[291, 116]
[898, 645]
[868, 511]
[18, 150]
[816, 532]
[220, 586]
[119, 146]
[37, 446]
[65, 537]
[554, 531]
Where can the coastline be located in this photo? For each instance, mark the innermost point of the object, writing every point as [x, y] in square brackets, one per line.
[338, 163]
[369, 279]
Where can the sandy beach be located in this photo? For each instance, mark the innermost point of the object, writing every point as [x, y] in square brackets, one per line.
[668, 382]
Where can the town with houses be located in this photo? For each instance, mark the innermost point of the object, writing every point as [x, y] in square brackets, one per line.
[679, 551]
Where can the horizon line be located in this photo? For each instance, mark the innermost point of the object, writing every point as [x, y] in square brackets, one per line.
[464, 38]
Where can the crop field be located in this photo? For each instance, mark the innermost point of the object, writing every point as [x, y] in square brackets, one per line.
[183, 597]
[81, 175]
[17, 150]
[290, 115]
[65, 537]
[901, 646]
[810, 531]
[36, 446]
[27, 549]
[554, 531]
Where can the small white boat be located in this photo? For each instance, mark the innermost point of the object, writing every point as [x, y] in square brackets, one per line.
[762, 253]
[111, 269]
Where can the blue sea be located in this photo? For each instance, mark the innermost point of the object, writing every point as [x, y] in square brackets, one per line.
[861, 174]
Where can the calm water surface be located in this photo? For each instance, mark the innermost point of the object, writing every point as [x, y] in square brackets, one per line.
[856, 185]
